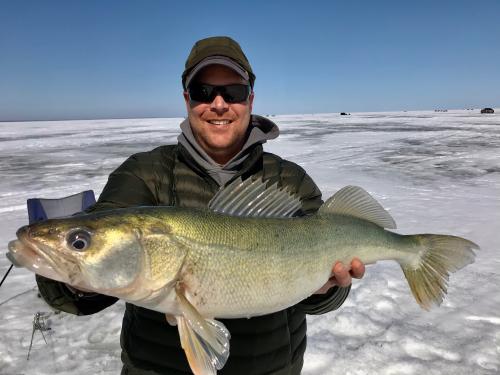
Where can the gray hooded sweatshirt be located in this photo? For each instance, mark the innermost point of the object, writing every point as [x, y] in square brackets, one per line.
[260, 130]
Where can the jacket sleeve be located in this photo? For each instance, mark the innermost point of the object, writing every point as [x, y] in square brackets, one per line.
[64, 298]
[126, 186]
[318, 303]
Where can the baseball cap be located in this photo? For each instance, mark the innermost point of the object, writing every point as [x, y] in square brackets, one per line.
[220, 50]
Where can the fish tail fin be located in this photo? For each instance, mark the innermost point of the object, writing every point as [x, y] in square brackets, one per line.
[439, 255]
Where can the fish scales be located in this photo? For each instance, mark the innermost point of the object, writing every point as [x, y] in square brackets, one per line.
[232, 260]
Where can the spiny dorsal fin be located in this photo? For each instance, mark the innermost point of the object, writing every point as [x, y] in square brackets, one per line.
[254, 198]
[355, 201]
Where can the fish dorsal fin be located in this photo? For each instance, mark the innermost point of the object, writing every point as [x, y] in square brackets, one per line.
[253, 197]
[357, 202]
[205, 341]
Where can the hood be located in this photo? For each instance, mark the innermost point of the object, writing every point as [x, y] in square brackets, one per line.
[260, 131]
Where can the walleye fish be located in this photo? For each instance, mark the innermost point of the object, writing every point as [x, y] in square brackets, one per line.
[244, 256]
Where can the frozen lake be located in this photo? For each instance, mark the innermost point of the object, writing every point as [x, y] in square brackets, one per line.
[434, 172]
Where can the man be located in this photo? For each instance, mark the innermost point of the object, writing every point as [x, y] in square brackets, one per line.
[220, 141]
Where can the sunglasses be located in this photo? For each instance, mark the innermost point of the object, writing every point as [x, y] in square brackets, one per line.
[205, 93]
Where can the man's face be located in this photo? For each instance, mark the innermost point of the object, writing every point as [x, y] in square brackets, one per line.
[219, 127]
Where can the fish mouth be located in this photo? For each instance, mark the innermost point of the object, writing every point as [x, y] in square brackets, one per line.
[21, 255]
[42, 259]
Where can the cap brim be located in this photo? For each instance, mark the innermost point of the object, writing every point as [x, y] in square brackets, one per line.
[217, 60]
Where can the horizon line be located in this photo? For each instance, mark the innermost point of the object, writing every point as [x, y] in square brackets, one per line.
[437, 110]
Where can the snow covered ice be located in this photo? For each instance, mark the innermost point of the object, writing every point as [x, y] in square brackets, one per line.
[434, 172]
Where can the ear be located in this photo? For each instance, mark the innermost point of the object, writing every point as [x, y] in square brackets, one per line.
[187, 100]
[250, 100]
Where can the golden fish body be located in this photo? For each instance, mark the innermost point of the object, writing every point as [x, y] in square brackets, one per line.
[239, 267]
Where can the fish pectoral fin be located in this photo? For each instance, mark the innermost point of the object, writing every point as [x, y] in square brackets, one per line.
[357, 202]
[205, 341]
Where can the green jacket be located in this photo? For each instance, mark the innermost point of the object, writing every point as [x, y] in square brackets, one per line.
[167, 175]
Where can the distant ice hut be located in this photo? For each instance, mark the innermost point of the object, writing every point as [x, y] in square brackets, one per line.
[487, 110]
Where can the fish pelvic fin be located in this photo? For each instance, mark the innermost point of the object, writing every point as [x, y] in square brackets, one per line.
[205, 341]
[440, 255]
[357, 202]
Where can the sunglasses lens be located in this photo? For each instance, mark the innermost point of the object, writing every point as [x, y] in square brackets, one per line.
[231, 93]
[235, 93]
[201, 93]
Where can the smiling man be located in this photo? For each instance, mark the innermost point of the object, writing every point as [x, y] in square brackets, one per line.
[219, 126]
[220, 141]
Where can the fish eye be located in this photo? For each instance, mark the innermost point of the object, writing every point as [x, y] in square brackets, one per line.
[78, 240]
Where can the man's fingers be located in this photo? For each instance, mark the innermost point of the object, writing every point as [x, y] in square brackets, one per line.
[342, 275]
[357, 268]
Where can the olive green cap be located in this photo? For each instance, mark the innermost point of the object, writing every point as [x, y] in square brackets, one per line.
[217, 50]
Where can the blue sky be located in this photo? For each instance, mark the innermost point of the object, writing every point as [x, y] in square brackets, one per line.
[120, 59]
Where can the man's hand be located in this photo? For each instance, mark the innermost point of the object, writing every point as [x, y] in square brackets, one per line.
[342, 275]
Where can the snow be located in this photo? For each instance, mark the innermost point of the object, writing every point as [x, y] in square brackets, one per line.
[435, 172]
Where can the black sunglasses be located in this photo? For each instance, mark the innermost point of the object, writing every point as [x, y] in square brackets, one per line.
[205, 93]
